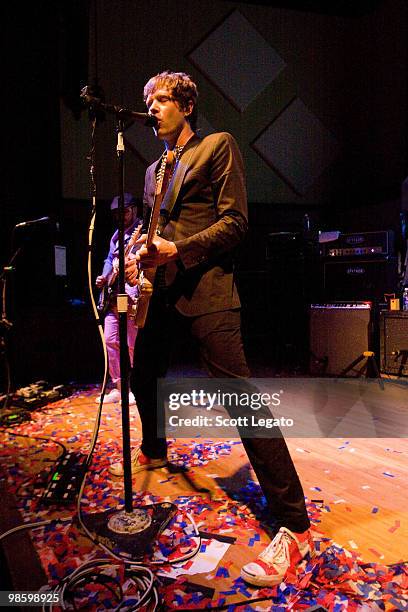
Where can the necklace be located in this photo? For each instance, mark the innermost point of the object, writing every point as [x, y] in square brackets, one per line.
[178, 149]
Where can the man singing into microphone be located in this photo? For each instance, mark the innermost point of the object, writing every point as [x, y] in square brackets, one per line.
[195, 289]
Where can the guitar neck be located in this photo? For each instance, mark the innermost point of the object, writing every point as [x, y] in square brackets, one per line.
[135, 235]
[161, 188]
[146, 284]
[112, 276]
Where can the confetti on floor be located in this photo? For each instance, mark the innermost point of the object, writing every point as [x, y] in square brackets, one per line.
[336, 578]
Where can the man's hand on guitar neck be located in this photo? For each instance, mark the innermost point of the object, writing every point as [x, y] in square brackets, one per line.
[101, 281]
[157, 254]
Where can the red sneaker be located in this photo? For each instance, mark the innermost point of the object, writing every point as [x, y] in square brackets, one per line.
[286, 550]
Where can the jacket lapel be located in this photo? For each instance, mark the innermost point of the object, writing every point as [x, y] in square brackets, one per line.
[178, 177]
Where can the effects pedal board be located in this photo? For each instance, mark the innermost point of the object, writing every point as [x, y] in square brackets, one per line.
[39, 394]
[65, 480]
[13, 416]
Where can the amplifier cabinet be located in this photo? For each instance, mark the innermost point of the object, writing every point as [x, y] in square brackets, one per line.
[394, 342]
[339, 334]
[360, 279]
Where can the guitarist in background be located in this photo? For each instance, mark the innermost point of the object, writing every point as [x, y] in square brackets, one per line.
[204, 217]
[107, 282]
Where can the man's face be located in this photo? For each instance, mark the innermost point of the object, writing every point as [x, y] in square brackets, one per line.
[129, 216]
[171, 119]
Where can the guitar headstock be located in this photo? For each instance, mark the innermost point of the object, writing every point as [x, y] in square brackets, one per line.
[135, 235]
[164, 172]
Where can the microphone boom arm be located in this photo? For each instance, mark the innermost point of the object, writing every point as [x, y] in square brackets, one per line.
[121, 112]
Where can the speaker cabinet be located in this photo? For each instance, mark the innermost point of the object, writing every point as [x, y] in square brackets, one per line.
[339, 334]
[394, 342]
[360, 279]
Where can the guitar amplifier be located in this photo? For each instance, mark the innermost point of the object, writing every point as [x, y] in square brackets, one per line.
[339, 333]
[364, 244]
[360, 279]
[394, 342]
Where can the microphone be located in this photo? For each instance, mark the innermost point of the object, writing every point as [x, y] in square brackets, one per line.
[119, 111]
[33, 222]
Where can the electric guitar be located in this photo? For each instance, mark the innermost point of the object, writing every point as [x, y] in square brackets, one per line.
[146, 277]
[107, 291]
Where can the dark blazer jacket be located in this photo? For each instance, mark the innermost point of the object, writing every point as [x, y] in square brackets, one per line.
[205, 213]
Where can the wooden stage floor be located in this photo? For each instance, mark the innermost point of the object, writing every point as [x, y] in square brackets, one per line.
[356, 492]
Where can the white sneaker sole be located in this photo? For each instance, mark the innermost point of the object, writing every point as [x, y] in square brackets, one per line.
[273, 579]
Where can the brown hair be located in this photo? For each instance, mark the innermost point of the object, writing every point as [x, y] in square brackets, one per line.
[183, 90]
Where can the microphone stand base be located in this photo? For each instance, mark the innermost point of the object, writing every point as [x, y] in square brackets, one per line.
[130, 534]
[130, 522]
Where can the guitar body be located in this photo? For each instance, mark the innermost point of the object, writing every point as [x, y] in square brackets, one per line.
[146, 289]
[108, 295]
[104, 300]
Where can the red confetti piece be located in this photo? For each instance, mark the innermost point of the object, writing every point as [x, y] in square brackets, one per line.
[396, 526]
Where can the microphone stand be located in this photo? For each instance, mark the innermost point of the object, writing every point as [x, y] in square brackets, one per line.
[122, 306]
[129, 530]
[130, 520]
[5, 324]
[119, 522]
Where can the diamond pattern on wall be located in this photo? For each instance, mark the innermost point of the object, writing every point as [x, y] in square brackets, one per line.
[237, 60]
[298, 146]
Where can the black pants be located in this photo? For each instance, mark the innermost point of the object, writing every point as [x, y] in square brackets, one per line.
[220, 344]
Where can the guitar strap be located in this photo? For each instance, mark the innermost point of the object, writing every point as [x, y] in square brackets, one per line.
[172, 192]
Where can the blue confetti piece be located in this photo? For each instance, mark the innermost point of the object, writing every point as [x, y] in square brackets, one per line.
[196, 597]
[397, 603]
[374, 510]
[132, 601]
[245, 592]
